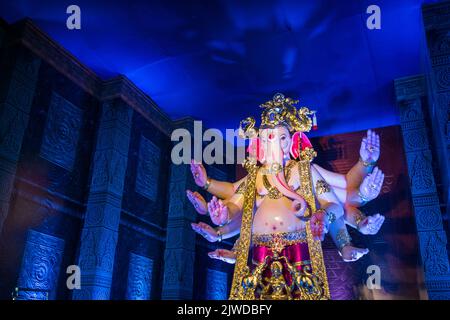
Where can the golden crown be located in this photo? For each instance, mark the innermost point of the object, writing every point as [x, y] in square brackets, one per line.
[280, 111]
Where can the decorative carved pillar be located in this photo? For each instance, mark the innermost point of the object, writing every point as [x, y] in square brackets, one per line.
[101, 225]
[41, 264]
[180, 240]
[16, 96]
[139, 278]
[436, 19]
[216, 285]
[410, 94]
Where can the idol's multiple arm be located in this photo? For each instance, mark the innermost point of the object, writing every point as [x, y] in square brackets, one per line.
[339, 197]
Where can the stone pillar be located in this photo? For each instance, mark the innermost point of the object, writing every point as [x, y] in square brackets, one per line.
[17, 90]
[216, 285]
[410, 94]
[179, 254]
[40, 268]
[139, 278]
[101, 224]
[436, 19]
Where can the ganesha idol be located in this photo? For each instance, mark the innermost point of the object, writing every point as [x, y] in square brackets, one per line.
[284, 207]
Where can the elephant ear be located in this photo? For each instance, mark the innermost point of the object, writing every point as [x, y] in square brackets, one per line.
[255, 150]
[295, 145]
[299, 142]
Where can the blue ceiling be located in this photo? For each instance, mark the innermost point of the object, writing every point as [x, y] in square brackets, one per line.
[218, 60]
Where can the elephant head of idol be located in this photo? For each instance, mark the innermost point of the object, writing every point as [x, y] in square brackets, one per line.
[279, 138]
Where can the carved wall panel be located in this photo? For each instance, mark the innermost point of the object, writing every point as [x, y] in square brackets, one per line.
[139, 278]
[41, 264]
[148, 169]
[62, 132]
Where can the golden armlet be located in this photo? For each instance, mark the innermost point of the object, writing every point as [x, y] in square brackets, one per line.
[322, 187]
[343, 239]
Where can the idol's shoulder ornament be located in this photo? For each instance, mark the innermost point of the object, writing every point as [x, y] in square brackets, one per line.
[311, 281]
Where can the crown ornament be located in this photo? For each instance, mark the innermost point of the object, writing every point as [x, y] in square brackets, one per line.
[280, 111]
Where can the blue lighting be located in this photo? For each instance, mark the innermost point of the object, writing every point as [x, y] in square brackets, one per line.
[218, 60]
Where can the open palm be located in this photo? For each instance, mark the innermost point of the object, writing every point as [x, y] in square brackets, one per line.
[370, 147]
[370, 188]
[218, 211]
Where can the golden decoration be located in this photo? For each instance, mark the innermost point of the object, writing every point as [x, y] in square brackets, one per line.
[280, 240]
[241, 268]
[279, 111]
[276, 288]
[288, 170]
[283, 111]
[286, 238]
[247, 128]
[312, 284]
[241, 188]
[322, 187]
[305, 284]
[343, 238]
[272, 192]
[314, 246]
[367, 163]
[359, 217]
[308, 154]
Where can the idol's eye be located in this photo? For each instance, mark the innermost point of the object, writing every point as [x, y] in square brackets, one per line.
[283, 137]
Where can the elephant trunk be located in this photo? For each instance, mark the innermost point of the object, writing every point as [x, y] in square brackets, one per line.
[279, 181]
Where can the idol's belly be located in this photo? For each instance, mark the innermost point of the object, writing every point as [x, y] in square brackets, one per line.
[276, 215]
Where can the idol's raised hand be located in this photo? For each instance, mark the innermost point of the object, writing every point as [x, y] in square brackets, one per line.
[370, 147]
[199, 173]
[197, 201]
[225, 255]
[206, 231]
[218, 211]
[371, 186]
[371, 225]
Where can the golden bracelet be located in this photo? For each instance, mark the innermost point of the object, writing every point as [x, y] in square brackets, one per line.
[367, 163]
[207, 184]
[331, 217]
[219, 235]
[359, 217]
[363, 199]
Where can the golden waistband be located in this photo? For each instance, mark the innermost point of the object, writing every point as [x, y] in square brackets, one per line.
[284, 238]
